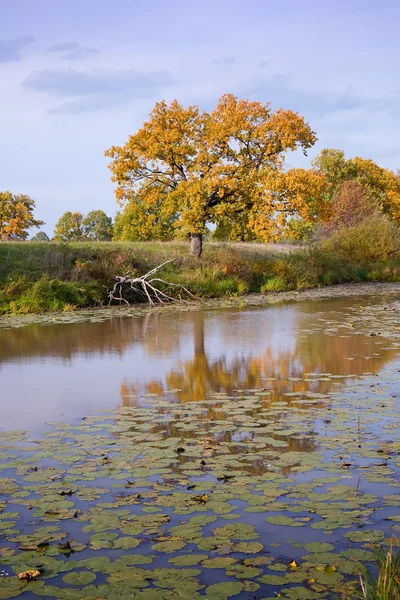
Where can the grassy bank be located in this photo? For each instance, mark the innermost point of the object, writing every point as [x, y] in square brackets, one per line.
[39, 277]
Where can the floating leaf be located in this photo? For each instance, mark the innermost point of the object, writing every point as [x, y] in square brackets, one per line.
[79, 578]
[319, 547]
[223, 590]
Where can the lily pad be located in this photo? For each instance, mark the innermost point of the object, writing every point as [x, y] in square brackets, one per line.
[79, 578]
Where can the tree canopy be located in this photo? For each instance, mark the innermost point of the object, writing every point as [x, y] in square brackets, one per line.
[74, 227]
[141, 221]
[41, 236]
[380, 185]
[197, 165]
[69, 227]
[16, 216]
[97, 226]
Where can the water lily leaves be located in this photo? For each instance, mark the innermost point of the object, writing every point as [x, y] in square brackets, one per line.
[272, 580]
[301, 593]
[118, 480]
[168, 546]
[128, 578]
[250, 586]
[96, 564]
[319, 547]
[279, 567]
[201, 520]
[248, 547]
[359, 554]
[102, 540]
[219, 562]
[365, 535]
[258, 561]
[127, 560]
[187, 560]
[282, 520]
[126, 543]
[242, 571]
[223, 590]
[236, 531]
[328, 578]
[79, 578]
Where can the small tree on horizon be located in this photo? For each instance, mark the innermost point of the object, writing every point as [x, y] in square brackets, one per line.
[97, 226]
[16, 216]
[69, 227]
[40, 236]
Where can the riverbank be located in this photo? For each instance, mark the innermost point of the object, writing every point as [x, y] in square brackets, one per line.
[48, 277]
[388, 292]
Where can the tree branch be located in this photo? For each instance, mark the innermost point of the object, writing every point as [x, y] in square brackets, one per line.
[146, 286]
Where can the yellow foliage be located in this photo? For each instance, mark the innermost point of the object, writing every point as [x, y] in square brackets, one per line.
[380, 185]
[16, 216]
[194, 166]
[297, 192]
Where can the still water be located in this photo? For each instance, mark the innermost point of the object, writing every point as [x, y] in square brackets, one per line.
[63, 372]
[194, 443]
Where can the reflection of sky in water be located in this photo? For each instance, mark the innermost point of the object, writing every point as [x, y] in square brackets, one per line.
[65, 371]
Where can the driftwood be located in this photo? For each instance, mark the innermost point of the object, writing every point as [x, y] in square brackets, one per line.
[148, 287]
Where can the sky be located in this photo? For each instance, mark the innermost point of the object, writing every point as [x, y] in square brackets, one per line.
[78, 76]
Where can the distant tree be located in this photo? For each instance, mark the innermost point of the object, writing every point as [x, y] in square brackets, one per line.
[69, 228]
[97, 226]
[41, 236]
[16, 216]
[198, 165]
[351, 205]
[380, 185]
[142, 221]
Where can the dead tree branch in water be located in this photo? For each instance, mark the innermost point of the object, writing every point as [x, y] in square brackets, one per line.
[148, 287]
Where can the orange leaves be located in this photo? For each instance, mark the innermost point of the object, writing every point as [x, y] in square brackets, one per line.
[29, 575]
[379, 185]
[201, 164]
[16, 216]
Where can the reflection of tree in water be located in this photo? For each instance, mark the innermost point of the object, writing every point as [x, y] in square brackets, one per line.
[116, 335]
[277, 370]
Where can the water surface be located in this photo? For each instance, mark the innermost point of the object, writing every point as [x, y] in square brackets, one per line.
[218, 443]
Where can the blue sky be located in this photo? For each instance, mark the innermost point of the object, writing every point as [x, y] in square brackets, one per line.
[77, 76]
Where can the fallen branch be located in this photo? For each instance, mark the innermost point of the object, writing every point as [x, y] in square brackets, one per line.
[148, 287]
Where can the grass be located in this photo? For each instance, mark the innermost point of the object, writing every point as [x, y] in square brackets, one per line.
[39, 277]
[384, 583]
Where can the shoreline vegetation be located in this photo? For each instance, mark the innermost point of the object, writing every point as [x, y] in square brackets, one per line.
[39, 277]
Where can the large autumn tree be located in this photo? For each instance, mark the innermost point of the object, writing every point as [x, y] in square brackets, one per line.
[202, 165]
[16, 216]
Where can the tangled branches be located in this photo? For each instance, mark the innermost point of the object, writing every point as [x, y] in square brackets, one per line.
[149, 287]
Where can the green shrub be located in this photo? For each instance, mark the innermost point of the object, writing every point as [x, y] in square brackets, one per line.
[375, 239]
[37, 277]
[52, 295]
[274, 284]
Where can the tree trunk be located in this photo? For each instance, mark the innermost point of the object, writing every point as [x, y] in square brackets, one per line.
[196, 244]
